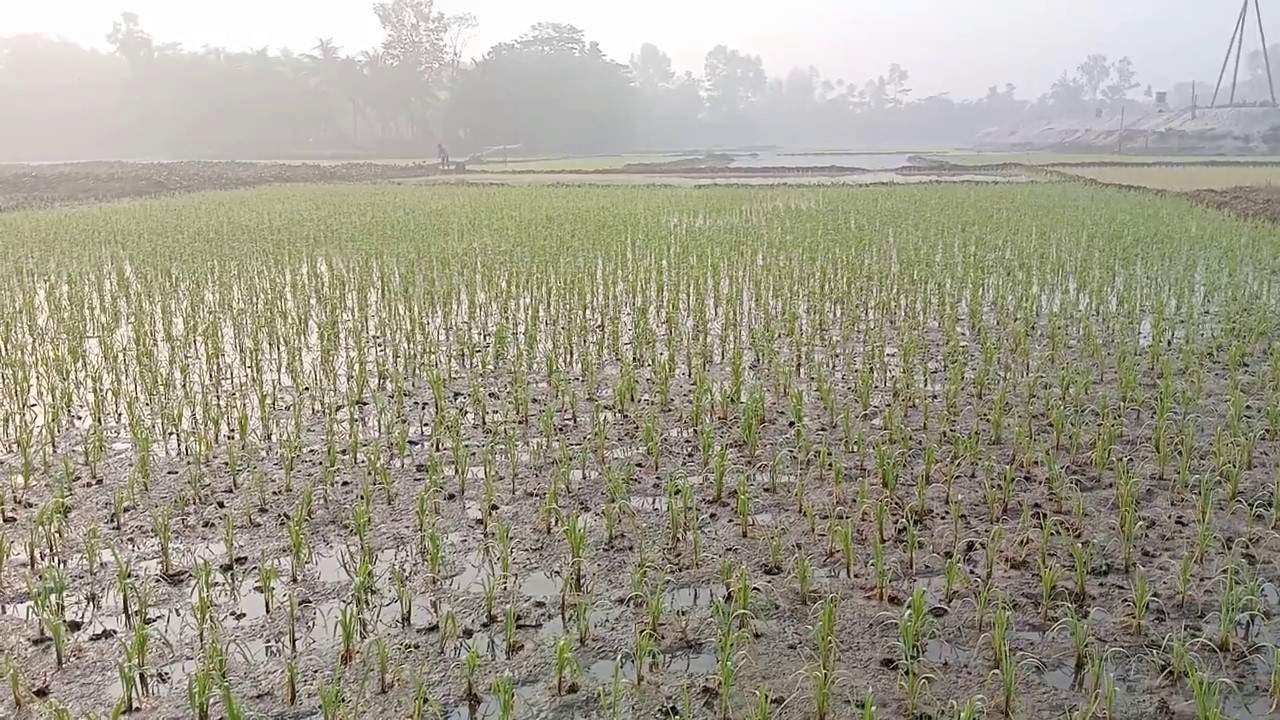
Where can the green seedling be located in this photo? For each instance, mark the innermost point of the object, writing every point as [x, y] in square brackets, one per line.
[1207, 695]
[229, 540]
[565, 666]
[267, 574]
[1184, 577]
[332, 699]
[1049, 576]
[914, 684]
[1007, 673]
[582, 617]
[844, 534]
[291, 681]
[1079, 632]
[162, 527]
[504, 692]
[57, 630]
[611, 697]
[1176, 657]
[763, 709]
[200, 689]
[348, 628]
[776, 539]
[575, 533]
[1140, 600]
[954, 576]
[6, 548]
[509, 630]
[231, 708]
[1273, 686]
[403, 593]
[424, 701]
[1082, 565]
[999, 635]
[298, 551]
[470, 670]
[16, 683]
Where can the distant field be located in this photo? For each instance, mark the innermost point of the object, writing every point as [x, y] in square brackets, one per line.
[1055, 158]
[675, 179]
[1187, 177]
[604, 162]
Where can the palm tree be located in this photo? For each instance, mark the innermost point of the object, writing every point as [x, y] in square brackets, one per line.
[379, 94]
[325, 68]
[326, 50]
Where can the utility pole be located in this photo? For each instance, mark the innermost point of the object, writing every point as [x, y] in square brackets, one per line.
[1120, 141]
[1236, 46]
[1262, 34]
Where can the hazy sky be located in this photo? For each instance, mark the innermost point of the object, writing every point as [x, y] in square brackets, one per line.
[961, 46]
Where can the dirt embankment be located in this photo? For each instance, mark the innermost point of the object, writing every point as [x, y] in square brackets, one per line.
[55, 185]
[1254, 203]
[42, 186]
[37, 186]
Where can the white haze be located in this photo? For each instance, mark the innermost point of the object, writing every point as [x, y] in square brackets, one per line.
[956, 46]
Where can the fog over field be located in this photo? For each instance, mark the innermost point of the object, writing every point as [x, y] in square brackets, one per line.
[293, 79]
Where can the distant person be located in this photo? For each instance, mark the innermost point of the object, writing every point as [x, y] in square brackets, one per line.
[444, 156]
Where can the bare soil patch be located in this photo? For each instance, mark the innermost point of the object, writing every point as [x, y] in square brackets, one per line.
[38, 186]
[1253, 203]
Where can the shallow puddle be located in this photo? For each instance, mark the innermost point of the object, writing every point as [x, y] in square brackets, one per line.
[168, 679]
[685, 663]
[485, 644]
[543, 583]
[421, 614]
[1063, 677]
[554, 628]
[649, 503]
[250, 603]
[1247, 707]
[334, 563]
[945, 653]
[481, 567]
[689, 597]
[324, 618]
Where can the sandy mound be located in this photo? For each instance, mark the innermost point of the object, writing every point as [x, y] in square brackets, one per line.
[1223, 131]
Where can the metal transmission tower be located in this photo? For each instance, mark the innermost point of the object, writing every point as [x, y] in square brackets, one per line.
[1236, 45]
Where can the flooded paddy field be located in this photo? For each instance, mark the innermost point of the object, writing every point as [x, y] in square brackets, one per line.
[413, 450]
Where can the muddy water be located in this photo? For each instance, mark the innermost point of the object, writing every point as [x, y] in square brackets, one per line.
[869, 161]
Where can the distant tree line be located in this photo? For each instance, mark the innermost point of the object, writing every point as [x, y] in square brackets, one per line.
[549, 91]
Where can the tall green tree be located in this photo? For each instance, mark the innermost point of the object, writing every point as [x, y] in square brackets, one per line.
[1123, 81]
[735, 82]
[651, 68]
[1093, 74]
[669, 107]
[549, 90]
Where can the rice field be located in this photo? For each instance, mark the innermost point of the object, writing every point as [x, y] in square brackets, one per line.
[696, 179]
[1182, 177]
[1052, 158]
[950, 451]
